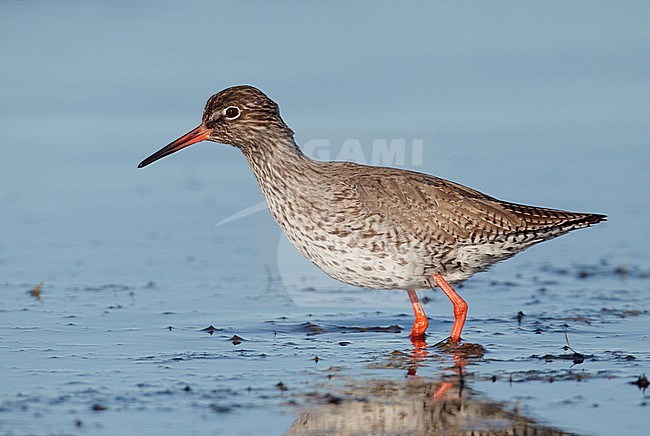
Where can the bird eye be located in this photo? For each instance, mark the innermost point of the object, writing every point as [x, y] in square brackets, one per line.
[232, 112]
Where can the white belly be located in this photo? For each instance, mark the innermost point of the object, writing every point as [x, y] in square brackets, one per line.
[355, 258]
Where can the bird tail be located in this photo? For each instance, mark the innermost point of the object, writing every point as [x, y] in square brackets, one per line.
[537, 218]
[543, 224]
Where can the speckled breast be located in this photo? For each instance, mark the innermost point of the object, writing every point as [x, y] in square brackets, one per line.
[357, 249]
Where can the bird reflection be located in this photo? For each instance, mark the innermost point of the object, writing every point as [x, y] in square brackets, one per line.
[458, 352]
[416, 405]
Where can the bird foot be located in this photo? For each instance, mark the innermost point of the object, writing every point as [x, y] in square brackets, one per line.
[448, 343]
[419, 328]
[417, 334]
[418, 338]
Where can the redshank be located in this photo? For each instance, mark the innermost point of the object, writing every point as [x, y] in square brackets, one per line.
[374, 227]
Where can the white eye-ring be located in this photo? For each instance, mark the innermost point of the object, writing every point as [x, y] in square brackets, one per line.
[231, 113]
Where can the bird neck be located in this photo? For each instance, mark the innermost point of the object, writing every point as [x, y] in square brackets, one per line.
[279, 163]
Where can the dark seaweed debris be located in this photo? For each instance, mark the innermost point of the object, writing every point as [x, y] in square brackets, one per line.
[642, 382]
[209, 329]
[520, 316]
[389, 329]
[576, 358]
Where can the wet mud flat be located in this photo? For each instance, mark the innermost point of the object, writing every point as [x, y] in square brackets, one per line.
[113, 358]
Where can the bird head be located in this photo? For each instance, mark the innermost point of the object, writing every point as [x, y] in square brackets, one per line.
[241, 116]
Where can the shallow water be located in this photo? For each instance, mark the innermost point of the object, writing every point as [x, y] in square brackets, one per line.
[139, 355]
[135, 264]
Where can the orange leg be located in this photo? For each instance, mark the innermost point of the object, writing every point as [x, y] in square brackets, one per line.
[460, 306]
[421, 323]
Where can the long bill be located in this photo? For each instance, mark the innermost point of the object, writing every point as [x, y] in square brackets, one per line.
[199, 134]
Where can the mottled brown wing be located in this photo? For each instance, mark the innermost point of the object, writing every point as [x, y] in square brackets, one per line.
[437, 210]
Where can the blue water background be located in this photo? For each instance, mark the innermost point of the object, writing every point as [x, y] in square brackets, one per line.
[539, 103]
